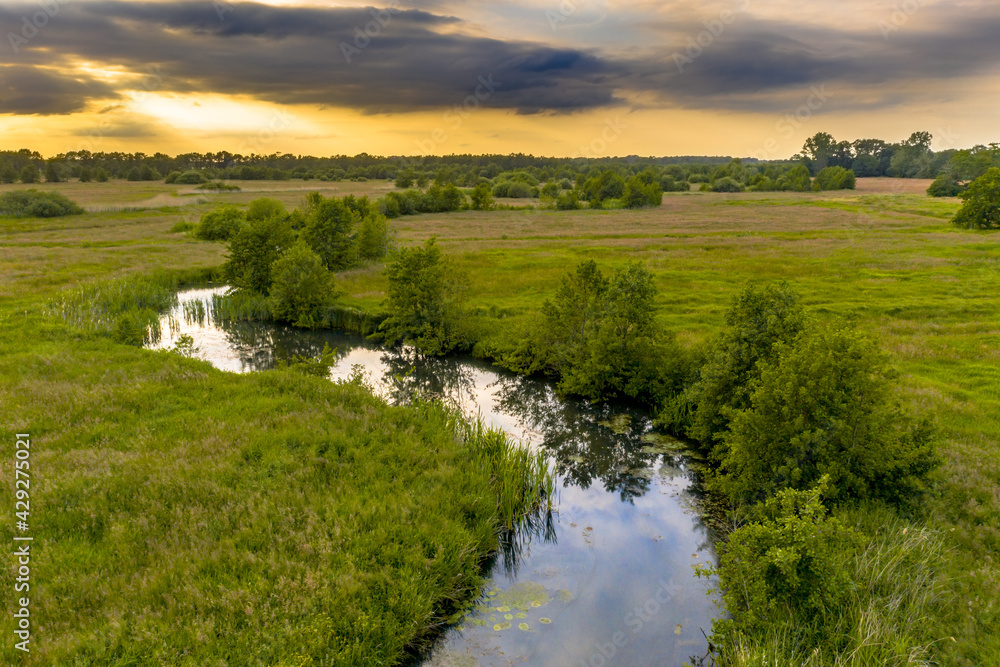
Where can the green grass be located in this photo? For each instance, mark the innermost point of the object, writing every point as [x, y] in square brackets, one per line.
[144, 441]
[186, 516]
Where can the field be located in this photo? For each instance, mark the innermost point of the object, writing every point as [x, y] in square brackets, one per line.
[885, 255]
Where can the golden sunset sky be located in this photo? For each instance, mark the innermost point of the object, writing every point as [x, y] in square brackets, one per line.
[558, 77]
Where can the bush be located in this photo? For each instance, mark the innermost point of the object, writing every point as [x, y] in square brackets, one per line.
[52, 174]
[834, 178]
[640, 195]
[219, 186]
[945, 185]
[301, 287]
[183, 226]
[86, 175]
[101, 175]
[264, 209]
[189, 178]
[252, 252]
[726, 184]
[791, 565]
[422, 299]
[221, 224]
[171, 177]
[824, 405]
[568, 201]
[35, 204]
[981, 207]
[373, 237]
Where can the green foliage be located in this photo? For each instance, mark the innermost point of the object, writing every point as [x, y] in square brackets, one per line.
[35, 204]
[600, 338]
[86, 174]
[221, 224]
[423, 301]
[264, 208]
[373, 237]
[834, 178]
[609, 184]
[190, 177]
[792, 564]
[8, 174]
[981, 207]
[482, 198]
[52, 173]
[253, 250]
[101, 175]
[726, 184]
[568, 201]
[437, 199]
[29, 174]
[404, 179]
[945, 185]
[824, 405]
[330, 231]
[319, 366]
[758, 319]
[219, 186]
[639, 194]
[183, 226]
[302, 288]
[127, 309]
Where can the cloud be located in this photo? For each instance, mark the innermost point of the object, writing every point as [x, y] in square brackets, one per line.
[414, 59]
[39, 90]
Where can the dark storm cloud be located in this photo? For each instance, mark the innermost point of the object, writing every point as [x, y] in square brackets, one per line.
[33, 90]
[415, 59]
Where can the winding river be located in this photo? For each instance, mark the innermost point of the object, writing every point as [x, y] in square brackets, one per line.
[609, 579]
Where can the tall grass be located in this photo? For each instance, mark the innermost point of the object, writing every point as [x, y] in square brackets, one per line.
[240, 306]
[127, 308]
[897, 591]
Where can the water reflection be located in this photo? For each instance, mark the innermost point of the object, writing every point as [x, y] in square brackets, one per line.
[625, 526]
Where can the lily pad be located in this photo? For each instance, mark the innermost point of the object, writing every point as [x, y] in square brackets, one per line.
[509, 617]
[619, 424]
[523, 626]
[501, 626]
[544, 620]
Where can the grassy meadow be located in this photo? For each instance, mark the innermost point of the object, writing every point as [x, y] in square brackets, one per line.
[189, 515]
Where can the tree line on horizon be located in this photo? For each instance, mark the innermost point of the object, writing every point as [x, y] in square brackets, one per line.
[910, 158]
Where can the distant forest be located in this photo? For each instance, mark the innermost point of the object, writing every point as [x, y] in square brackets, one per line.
[911, 158]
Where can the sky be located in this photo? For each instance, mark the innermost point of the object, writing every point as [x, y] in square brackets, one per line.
[589, 78]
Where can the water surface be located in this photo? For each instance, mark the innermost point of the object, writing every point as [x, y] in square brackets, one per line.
[609, 578]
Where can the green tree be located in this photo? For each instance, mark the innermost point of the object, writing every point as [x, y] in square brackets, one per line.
[330, 231]
[86, 174]
[422, 298]
[101, 175]
[29, 174]
[263, 208]
[981, 207]
[52, 174]
[482, 198]
[819, 148]
[759, 318]
[221, 224]
[404, 179]
[302, 288]
[639, 194]
[253, 251]
[824, 404]
[8, 174]
[834, 178]
[373, 236]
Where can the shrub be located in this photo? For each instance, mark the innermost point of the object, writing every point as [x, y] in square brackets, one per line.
[790, 565]
[252, 252]
[422, 299]
[221, 224]
[981, 207]
[726, 184]
[639, 194]
[86, 175]
[101, 175]
[183, 226]
[824, 405]
[219, 186]
[190, 178]
[264, 208]
[35, 204]
[52, 174]
[301, 287]
[945, 185]
[171, 177]
[568, 201]
[834, 178]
